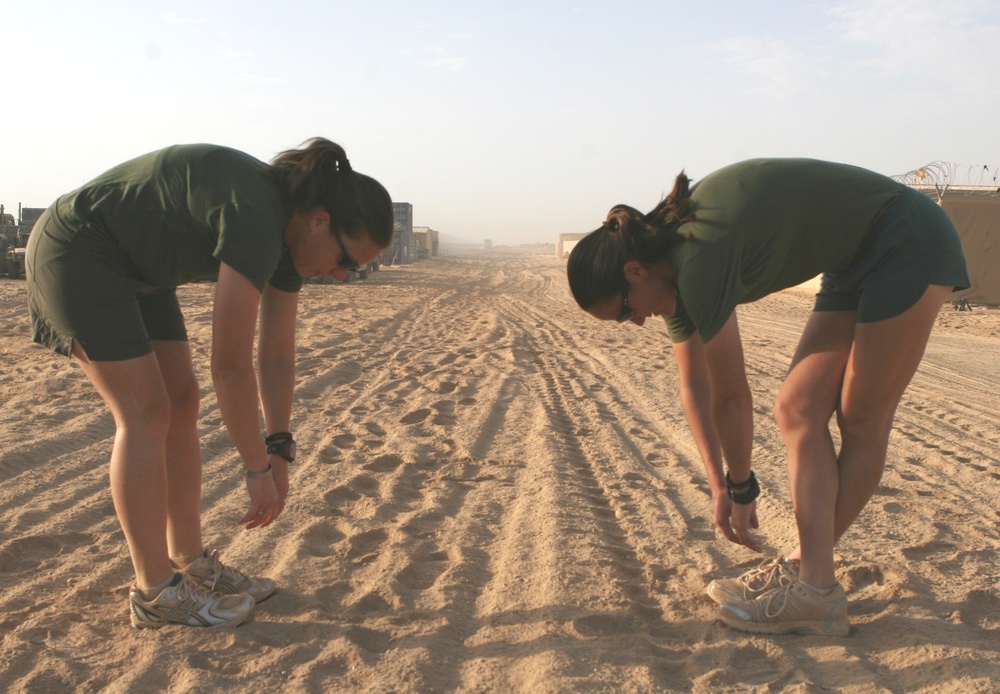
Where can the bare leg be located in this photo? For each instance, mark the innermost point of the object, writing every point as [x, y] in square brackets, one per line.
[879, 364]
[183, 450]
[806, 403]
[883, 361]
[135, 394]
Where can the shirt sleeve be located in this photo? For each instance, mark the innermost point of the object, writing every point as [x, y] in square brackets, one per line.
[708, 291]
[249, 241]
[679, 326]
[285, 277]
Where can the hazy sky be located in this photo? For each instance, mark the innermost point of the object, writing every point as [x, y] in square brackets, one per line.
[512, 120]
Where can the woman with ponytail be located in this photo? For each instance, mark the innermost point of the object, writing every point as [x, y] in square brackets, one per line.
[888, 257]
[103, 265]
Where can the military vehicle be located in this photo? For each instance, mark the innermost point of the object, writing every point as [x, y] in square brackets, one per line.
[14, 237]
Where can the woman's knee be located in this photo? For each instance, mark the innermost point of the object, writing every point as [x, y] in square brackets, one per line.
[185, 400]
[796, 411]
[147, 416]
[865, 426]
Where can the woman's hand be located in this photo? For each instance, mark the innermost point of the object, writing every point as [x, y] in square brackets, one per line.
[736, 520]
[279, 470]
[265, 501]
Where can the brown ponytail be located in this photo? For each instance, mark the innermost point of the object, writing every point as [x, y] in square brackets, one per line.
[596, 262]
[318, 174]
[676, 208]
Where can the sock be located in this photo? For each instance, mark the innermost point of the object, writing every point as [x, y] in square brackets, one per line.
[151, 593]
[818, 591]
[184, 562]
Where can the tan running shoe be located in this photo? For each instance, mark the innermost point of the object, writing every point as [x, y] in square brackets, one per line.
[210, 573]
[187, 604]
[791, 608]
[753, 583]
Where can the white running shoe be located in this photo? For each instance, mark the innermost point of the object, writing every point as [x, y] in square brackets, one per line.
[753, 583]
[210, 573]
[187, 604]
[791, 608]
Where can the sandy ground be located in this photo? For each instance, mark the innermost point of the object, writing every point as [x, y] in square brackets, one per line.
[497, 493]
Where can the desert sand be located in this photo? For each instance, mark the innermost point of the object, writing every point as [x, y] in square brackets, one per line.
[495, 493]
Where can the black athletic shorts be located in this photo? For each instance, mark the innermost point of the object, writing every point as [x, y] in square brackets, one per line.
[913, 244]
[79, 288]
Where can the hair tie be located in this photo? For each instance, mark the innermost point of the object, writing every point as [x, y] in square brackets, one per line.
[612, 225]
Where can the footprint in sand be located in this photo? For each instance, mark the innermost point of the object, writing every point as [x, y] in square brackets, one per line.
[384, 463]
[416, 416]
[857, 577]
[331, 597]
[423, 571]
[318, 540]
[365, 545]
[445, 412]
[368, 639]
[340, 497]
[928, 548]
[604, 625]
[28, 553]
[344, 440]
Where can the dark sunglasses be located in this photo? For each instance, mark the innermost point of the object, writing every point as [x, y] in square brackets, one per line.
[627, 313]
[346, 261]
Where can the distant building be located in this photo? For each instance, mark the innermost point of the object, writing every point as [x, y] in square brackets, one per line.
[425, 240]
[566, 242]
[402, 250]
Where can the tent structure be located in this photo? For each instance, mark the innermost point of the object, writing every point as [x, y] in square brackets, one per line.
[972, 201]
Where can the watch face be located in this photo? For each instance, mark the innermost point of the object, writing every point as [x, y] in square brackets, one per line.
[284, 448]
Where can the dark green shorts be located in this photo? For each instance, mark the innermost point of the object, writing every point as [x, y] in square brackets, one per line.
[912, 245]
[80, 288]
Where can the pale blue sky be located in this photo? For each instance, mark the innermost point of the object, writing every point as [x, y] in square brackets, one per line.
[506, 120]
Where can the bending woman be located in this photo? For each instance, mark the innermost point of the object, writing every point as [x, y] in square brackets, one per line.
[889, 257]
[103, 264]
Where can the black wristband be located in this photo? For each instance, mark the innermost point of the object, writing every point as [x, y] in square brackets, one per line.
[746, 496]
[281, 444]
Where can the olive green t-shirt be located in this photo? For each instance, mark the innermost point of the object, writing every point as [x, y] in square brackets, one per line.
[172, 216]
[764, 225]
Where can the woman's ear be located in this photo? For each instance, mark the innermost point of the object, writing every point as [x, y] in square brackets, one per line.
[634, 269]
[319, 217]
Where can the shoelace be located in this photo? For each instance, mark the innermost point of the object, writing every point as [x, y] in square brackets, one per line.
[784, 589]
[185, 590]
[188, 601]
[220, 571]
[765, 571]
[217, 568]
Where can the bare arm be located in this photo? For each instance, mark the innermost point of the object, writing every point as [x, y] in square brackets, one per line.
[276, 366]
[234, 322]
[719, 409]
[732, 401]
[696, 398]
[276, 357]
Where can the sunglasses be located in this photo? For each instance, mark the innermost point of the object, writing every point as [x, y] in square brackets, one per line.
[346, 261]
[627, 313]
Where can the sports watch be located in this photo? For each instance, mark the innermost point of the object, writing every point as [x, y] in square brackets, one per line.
[281, 444]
